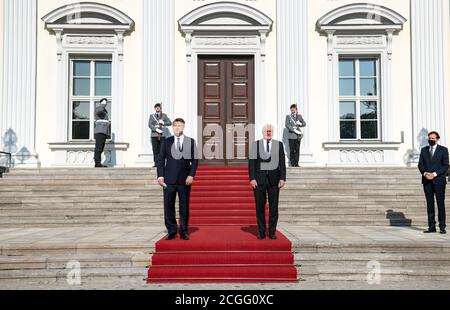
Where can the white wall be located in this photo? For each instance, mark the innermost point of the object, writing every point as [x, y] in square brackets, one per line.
[318, 105]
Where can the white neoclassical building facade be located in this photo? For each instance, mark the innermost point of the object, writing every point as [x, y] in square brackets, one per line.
[370, 78]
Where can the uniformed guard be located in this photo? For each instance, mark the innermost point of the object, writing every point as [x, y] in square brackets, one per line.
[102, 131]
[294, 123]
[159, 123]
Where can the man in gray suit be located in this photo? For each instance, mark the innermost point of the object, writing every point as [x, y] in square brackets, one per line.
[294, 123]
[159, 123]
[102, 131]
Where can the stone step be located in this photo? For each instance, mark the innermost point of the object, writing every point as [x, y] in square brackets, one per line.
[336, 273]
[69, 249]
[118, 260]
[61, 275]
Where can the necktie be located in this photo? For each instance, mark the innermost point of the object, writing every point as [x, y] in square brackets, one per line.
[268, 148]
[431, 151]
[178, 144]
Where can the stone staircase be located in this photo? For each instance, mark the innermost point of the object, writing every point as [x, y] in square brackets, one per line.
[314, 197]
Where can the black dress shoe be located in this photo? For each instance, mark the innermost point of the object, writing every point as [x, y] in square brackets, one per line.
[171, 236]
[184, 236]
[261, 236]
[100, 166]
[429, 231]
[443, 231]
[273, 236]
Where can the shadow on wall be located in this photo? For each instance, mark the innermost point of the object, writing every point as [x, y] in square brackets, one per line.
[412, 156]
[112, 162]
[10, 146]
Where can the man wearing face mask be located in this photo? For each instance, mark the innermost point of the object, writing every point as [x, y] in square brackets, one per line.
[433, 165]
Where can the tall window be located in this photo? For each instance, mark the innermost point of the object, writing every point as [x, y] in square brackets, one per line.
[91, 80]
[359, 98]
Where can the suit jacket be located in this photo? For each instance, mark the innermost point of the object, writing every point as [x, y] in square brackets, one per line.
[259, 167]
[439, 164]
[102, 124]
[175, 166]
[291, 125]
[153, 124]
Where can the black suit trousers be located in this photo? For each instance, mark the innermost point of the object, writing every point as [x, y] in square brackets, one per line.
[100, 140]
[294, 147]
[170, 194]
[261, 193]
[431, 191]
[156, 146]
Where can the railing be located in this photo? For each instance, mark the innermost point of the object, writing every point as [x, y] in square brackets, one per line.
[9, 158]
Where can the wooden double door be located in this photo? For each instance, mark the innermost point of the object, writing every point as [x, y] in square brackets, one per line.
[226, 105]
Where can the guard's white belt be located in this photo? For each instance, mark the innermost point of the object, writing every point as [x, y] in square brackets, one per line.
[101, 121]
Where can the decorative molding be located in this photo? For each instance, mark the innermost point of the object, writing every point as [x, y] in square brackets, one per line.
[362, 153]
[362, 156]
[348, 17]
[225, 41]
[240, 19]
[90, 40]
[73, 16]
[82, 154]
[360, 41]
[18, 101]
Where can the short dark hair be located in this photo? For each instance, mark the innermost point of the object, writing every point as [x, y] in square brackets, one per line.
[179, 120]
[158, 105]
[294, 106]
[434, 133]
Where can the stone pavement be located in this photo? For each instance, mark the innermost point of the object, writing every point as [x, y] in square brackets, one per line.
[328, 258]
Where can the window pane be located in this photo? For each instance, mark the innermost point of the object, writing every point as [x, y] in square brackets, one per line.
[80, 130]
[347, 87]
[367, 67]
[368, 87]
[347, 67]
[369, 130]
[369, 110]
[81, 87]
[102, 87]
[103, 68]
[81, 68]
[348, 110]
[81, 110]
[348, 130]
[108, 108]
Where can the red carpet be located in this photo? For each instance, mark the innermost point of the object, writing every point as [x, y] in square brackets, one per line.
[223, 246]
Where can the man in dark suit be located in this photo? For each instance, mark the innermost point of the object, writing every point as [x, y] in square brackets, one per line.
[177, 166]
[267, 171]
[433, 165]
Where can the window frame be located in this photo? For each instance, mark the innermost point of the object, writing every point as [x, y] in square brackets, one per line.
[358, 98]
[92, 98]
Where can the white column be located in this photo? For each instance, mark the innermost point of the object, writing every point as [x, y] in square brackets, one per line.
[293, 67]
[428, 58]
[158, 66]
[18, 101]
